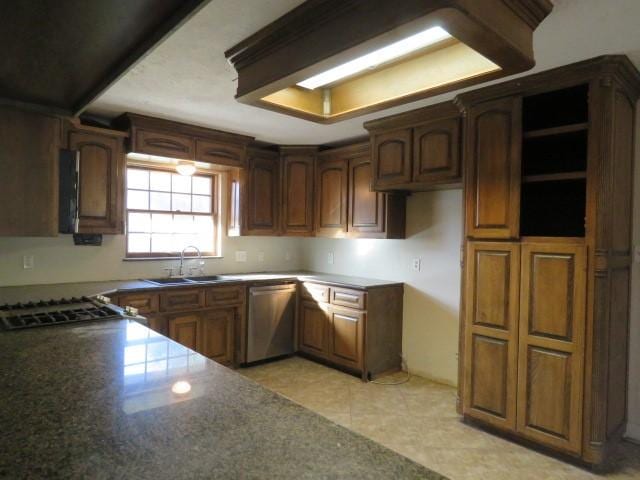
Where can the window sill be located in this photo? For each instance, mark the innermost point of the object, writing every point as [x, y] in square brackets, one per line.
[136, 259]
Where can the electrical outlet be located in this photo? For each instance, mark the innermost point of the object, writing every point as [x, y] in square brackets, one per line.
[417, 264]
[241, 256]
[287, 256]
[27, 262]
[260, 257]
[330, 258]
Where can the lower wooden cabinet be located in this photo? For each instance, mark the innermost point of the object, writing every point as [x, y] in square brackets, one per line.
[313, 327]
[346, 337]
[185, 329]
[524, 331]
[217, 328]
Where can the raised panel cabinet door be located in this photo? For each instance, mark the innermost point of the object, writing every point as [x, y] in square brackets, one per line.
[491, 332]
[331, 197]
[492, 164]
[157, 323]
[366, 207]
[392, 159]
[314, 328]
[346, 343]
[297, 193]
[551, 357]
[436, 152]
[100, 189]
[260, 199]
[185, 329]
[217, 334]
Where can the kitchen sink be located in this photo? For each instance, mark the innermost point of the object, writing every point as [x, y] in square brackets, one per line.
[168, 281]
[206, 278]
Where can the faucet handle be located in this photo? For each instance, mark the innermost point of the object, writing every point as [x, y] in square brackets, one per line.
[192, 269]
[169, 271]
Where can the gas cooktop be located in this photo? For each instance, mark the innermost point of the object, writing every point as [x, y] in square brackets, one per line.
[54, 312]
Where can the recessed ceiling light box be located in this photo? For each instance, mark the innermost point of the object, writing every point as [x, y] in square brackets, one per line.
[328, 60]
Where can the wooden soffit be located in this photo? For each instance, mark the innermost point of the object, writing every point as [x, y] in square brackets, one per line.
[489, 39]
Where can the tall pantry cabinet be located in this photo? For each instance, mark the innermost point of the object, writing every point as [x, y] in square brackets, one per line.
[547, 255]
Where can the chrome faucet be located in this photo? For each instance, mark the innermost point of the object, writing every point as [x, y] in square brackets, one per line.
[181, 270]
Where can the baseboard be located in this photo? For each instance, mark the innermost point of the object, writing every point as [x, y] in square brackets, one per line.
[633, 432]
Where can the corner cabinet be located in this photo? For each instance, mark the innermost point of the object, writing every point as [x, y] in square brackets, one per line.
[547, 258]
[418, 150]
[298, 167]
[101, 179]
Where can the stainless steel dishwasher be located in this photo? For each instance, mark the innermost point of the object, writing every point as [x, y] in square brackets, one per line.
[270, 328]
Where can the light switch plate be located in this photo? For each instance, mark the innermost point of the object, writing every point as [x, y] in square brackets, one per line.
[417, 264]
[330, 258]
[241, 256]
[27, 262]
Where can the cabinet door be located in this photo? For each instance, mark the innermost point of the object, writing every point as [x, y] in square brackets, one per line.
[157, 323]
[331, 197]
[185, 329]
[366, 207]
[346, 337]
[100, 191]
[551, 358]
[436, 152]
[297, 193]
[491, 332]
[392, 159]
[260, 198]
[314, 328]
[217, 334]
[492, 163]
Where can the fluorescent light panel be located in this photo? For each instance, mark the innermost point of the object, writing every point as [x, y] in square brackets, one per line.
[377, 57]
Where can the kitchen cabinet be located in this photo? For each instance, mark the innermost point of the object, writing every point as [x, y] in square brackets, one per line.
[493, 169]
[185, 328]
[101, 178]
[259, 197]
[417, 150]
[548, 255]
[217, 334]
[182, 299]
[29, 149]
[331, 195]
[363, 337]
[298, 165]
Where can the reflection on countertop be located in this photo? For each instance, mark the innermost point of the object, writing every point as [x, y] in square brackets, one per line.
[112, 399]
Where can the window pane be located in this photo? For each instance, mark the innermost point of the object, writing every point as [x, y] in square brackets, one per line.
[201, 204]
[139, 243]
[203, 225]
[183, 224]
[160, 201]
[137, 178]
[181, 240]
[139, 222]
[162, 242]
[160, 181]
[180, 183]
[180, 202]
[137, 200]
[162, 223]
[202, 185]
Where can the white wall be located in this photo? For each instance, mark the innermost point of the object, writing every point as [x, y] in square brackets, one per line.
[431, 300]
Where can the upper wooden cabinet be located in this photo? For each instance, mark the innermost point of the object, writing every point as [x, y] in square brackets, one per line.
[101, 178]
[155, 136]
[331, 195]
[417, 150]
[492, 159]
[298, 165]
[259, 194]
[29, 149]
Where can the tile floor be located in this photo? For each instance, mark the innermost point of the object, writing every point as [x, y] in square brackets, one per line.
[418, 419]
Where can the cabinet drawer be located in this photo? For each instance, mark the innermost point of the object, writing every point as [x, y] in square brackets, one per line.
[144, 302]
[182, 300]
[220, 153]
[348, 298]
[313, 291]
[164, 144]
[225, 296]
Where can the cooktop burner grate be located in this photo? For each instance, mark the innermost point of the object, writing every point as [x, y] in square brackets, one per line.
[53, 312]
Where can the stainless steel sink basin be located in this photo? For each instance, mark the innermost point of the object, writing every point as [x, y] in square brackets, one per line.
[206, 278]
[168, 281]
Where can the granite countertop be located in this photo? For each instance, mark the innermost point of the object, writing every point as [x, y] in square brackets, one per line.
[95, 400]
[27, 293]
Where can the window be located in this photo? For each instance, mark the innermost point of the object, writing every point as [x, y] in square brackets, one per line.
[167, 211]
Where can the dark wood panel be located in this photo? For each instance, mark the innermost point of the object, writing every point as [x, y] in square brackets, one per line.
[220, 153]
[492, 288]
[316, 292]
[347, 297]
[331, 184]
[392, 158]
[222, 296]
[346, 337]
[217, 334]
[314, 329]
[164, 144]
[182, 299]
[260, 194]
[493, 169]
[145, 303]
[490, 377]
[436, 152]
[298, 165]
[184, 328]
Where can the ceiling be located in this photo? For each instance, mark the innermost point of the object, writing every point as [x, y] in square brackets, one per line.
[188, 79]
